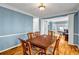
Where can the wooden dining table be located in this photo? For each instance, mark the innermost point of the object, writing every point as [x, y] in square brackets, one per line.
[42, 41]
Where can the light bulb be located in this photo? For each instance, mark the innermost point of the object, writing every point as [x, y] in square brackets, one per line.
[42, 8]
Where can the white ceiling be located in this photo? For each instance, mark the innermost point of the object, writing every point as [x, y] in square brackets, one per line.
[52, 9]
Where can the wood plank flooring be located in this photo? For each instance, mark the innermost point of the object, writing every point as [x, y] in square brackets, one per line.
[64, 50]
[14, 51]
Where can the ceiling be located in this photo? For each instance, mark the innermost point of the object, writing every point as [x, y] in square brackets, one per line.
[52, 9]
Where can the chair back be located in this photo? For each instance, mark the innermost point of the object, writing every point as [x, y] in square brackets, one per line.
[30, 35]
[50, 33]
[26, 47]
[37, 33]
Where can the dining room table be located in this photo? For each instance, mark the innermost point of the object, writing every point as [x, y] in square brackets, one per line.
[42, 41]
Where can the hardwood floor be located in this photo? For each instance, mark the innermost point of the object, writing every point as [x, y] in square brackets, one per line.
[14, 51]
[64, 49]
[17, 51]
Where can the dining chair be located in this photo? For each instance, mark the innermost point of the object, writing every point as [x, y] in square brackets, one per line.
[56, 50]
[27, 50]
[30, 35]
[36, 34]
[50, 33]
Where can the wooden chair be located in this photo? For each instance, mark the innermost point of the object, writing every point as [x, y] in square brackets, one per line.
[50, 33]
[26, 47]
[37, 34]
[56, 46]
[30, 35]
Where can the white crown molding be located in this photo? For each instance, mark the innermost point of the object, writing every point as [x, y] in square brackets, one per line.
[78, 9]
[14, 9]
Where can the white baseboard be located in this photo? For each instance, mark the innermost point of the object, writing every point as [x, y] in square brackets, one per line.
[10, 48]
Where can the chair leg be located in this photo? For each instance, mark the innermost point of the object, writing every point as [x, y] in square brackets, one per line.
[30, 48]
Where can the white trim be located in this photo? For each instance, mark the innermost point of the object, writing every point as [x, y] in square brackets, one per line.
[15, 9]
[71, 28]
[77, 8]
[10, 48]
[42, 26]
[35, 24]
[76, 34]
[11, 35]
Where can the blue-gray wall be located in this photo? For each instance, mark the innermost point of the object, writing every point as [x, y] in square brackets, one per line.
[76, 28]
[12, 22]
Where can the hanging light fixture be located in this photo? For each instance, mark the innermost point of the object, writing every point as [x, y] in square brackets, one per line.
[42, 6]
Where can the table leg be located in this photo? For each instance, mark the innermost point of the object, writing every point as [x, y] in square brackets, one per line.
[42, 52]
